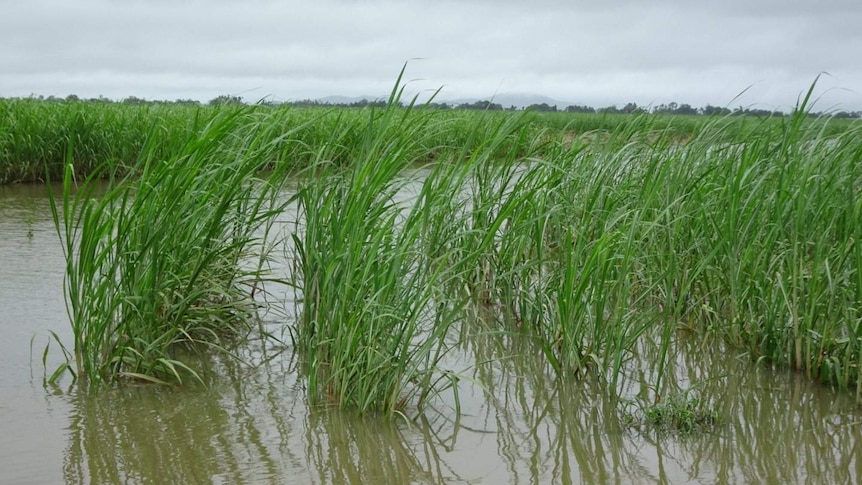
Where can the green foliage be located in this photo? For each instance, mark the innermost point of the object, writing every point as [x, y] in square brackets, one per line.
[162, 259]
[34, 136]
[587, 233]
[683, 413]
[34, 133]
[372, 320]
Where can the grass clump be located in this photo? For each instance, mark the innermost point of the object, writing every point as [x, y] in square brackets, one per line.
[683, 413]
[371, 319]
[165, 259]
[35, 136]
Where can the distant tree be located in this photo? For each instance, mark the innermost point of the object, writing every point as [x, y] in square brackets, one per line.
[304, 103]
[740, 111]
[663, 109]
[763, 112]
[580, 109]
[73, 98]
[364, 103]
[685, 109]
[848, 114]
[134, 100]
[100, 100]
[710, 110]
[225, 99]
[483, 105]
[187, 102]
[630, 108]
[542, 108]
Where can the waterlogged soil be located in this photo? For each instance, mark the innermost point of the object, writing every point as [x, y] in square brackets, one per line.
[517, 422]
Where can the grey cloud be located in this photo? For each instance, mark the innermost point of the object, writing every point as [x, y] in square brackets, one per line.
[584, 51]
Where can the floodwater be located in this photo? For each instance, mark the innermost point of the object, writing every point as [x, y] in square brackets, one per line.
[517, 425]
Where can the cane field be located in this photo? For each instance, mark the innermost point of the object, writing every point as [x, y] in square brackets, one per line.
[401, 294]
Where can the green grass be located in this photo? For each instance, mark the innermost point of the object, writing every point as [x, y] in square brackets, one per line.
[372, 318]
[34, 133]
[161, 259]
[682, 414]
[586, 239]
[34, 136]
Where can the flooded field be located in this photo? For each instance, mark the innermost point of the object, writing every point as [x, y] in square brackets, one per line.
[518, 423]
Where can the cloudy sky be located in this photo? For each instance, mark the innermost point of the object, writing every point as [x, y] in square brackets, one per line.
[594, 52]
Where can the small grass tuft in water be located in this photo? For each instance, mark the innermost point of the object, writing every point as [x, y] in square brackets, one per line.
[682, 414]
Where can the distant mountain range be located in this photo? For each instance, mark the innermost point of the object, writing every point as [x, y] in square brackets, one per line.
[518, 100]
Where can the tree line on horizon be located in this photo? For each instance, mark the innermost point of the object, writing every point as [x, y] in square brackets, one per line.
[672, 108]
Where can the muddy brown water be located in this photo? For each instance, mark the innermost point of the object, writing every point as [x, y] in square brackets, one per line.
[517, 424]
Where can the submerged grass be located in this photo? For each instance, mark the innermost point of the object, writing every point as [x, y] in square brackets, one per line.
[598, 243]
[682, 414]
[412, 221]
[372, 317]
[159, 260]
[758, 246]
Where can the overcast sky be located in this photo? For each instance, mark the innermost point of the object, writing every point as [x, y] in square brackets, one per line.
[596, 52]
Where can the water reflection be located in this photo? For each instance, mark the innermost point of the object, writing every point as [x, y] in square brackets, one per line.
[245, 426]
[231, 432]
[549, 430]
[343, 448]
[520, 424]
[777, 428]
